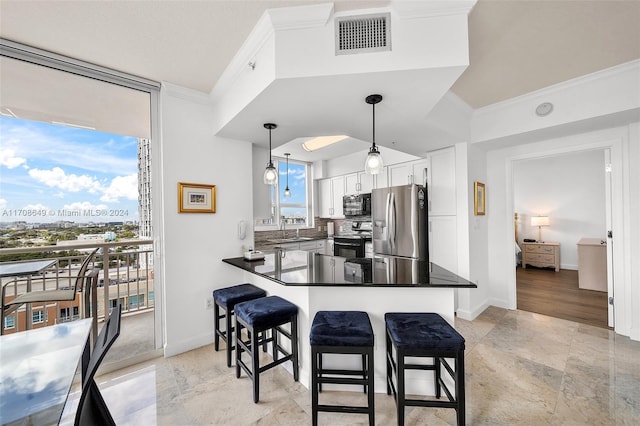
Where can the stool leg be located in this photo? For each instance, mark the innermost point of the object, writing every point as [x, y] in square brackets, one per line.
[237, 336]
[436, 373]
[388, 356]
[320, 372]
[274, 343]
[370, 387]
[294, 346]
[315, 386]
[255, 366]
[216, 326]
[229, 332]
[400, 386]
[460, 412]
[364, 371]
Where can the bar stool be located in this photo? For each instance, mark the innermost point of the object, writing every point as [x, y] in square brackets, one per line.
[342, 332]
[258, 316]
[226, 299]
[424, 335]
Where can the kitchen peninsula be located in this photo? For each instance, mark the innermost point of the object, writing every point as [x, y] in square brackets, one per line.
[375, 285]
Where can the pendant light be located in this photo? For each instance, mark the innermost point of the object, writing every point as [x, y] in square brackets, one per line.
[287, 191]
[270, 173]
[373, 165]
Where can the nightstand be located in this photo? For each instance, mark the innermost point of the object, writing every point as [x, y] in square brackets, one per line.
[542, 255]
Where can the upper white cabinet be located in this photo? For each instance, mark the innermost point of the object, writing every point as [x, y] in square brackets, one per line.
[352, 183]
[442, 182]
[330, 193]
[358, 183]
[408, 173]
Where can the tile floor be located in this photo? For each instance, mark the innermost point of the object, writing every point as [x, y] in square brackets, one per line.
[521, 368]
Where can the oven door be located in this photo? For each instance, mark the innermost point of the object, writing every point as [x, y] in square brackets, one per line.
[349, 249]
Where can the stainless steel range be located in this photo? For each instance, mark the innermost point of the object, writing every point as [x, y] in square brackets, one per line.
[352, 245]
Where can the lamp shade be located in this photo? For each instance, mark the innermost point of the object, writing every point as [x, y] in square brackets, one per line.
[540, 221]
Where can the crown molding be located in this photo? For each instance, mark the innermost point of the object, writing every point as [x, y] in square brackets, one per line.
[549, 91]
[430, 9]
[291, 18]
[184, 93]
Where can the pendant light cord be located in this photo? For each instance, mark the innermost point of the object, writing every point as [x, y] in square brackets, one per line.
[374, 125]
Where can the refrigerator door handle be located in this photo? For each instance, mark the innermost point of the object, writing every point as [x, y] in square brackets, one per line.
[392, 221]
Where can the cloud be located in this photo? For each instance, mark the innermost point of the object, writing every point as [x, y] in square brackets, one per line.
[9, 159]
[35, 207]
[122, 187]
[3, 203]
[84, 205]
[57, 178]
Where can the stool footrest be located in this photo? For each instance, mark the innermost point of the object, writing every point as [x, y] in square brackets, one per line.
[343, 380]
[343, 409]
[341, 372]
[429, 403]
[274, 363]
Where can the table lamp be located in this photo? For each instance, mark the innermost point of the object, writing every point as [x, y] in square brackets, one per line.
[540, 221]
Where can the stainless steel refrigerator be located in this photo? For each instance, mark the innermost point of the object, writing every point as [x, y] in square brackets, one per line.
[399, 217]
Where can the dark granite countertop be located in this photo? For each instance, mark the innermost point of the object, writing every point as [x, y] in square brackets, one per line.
[302, 268]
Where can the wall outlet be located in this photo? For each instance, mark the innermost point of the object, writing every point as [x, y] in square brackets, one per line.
[208, 303]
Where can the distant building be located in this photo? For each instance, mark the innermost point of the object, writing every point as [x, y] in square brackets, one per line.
[144, 188]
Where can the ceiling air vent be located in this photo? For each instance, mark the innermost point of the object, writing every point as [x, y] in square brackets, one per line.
[363, 34]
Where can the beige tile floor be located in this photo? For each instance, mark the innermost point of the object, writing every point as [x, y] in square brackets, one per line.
[521, 368]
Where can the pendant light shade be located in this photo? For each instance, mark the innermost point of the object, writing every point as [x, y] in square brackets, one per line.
[287, 191]
[270, 173]
[373, 165]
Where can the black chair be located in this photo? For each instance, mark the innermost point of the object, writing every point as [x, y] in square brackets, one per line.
[226, 299]
[47, 296]
[342, 332]
[92, 410]
[258, 316]
[424, 335]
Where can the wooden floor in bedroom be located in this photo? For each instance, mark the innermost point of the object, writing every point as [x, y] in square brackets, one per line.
[556, 294]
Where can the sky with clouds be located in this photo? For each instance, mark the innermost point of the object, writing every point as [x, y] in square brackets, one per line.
[297, 186]
[51, 172]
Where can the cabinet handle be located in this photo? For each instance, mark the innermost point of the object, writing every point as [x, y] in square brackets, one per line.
[410, 179]
[358, 187]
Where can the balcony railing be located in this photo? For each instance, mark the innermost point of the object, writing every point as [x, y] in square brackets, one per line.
[126, 275]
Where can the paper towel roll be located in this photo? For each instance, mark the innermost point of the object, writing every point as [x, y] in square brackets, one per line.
[330, 229]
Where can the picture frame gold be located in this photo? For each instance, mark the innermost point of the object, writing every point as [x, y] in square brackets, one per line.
[479, 199]
[196, 198]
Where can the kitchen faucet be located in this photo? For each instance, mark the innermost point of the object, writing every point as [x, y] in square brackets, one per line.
[283, 227]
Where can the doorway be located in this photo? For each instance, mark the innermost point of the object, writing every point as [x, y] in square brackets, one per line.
[572, 192]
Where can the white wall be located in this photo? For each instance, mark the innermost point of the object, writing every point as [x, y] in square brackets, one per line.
[194, 244]
[570, 189]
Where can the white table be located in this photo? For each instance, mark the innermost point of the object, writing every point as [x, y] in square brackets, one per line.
[37, 371]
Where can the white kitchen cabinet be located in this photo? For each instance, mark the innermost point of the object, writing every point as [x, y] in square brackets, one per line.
[366, 182]
[337, 192]
[442, 182]
[443, 248]
[325, 199]
[352, 184]
[330, 193]
[409, 172]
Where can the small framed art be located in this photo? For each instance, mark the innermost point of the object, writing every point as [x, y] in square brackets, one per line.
[479, 199]
[196, 198]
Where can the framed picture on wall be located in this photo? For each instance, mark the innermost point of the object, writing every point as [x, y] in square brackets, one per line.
[196, 198]
[479, 199]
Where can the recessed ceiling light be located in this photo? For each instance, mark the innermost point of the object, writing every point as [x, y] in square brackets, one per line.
[321, 142]
[544, 109]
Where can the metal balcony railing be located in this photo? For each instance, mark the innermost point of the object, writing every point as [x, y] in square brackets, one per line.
[126, 275]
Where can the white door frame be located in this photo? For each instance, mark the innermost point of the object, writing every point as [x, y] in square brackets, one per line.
[614, 145]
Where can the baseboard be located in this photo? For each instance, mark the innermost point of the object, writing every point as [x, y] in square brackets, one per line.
[176, 348]
[470, 315]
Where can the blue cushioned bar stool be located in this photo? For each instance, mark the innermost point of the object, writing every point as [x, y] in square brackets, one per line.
[342, 332]
[226, 299]
[424, 335]
[259, 316]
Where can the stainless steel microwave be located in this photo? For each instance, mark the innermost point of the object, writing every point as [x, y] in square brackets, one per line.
[356, 205]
